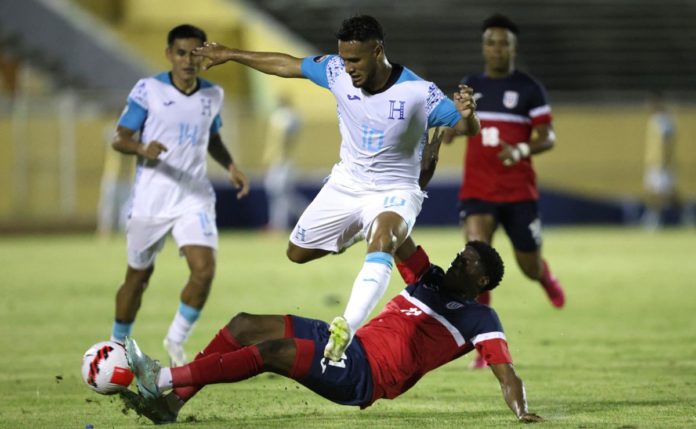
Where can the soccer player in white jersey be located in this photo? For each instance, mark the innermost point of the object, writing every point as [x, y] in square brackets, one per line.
[384, 112]
[177, 117]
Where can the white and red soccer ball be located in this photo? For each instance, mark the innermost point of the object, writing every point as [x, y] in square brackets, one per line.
[105, 368]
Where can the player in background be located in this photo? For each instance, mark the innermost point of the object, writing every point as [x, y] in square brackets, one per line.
[177, 116]
[429, 324]
[499, 183]
[284, 200]
[384, 112]
[659, 179]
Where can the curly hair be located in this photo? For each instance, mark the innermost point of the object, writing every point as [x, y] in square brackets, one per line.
[502, 21]
[360, 28]
[491, 261]
[186, 31]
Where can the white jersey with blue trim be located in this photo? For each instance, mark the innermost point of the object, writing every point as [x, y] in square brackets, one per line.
[177, 182]
[382, 134]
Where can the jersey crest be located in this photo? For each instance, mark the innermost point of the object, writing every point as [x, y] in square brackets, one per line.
[510, 99]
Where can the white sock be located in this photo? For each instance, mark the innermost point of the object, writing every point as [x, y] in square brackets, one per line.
[164, 380]
[183, 322]
[368, 288]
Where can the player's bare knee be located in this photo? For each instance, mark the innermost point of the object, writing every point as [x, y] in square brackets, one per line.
[297, 255]
[278, 355]
[136, 277]
[203, 273]
[383, 240]
[241, 326]
[532, 271]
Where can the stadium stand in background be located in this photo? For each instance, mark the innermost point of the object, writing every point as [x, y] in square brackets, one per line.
[66, 64]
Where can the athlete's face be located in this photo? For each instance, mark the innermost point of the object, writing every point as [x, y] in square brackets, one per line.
[361, 59]
[466, 274]
[499, 49]
[185, 67]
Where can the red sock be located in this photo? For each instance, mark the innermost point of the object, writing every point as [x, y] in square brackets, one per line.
[551, 286]
[484, 298]
[223, 342]
[414, 266]
[219, 368]
[304, 353]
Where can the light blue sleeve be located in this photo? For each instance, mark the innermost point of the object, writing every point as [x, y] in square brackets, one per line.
[444, 114]
[216, 125]
[133, 116]
[314, 69]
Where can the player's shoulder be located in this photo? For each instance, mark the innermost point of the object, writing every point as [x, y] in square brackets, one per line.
[475, 318]
[410, 78]
[527, 79]
[206, 85]
[162, 78]
[331, 62]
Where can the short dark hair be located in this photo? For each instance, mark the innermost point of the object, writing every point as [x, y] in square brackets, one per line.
[360, 28]
[186, 31]
[491, 261]
[502, 21]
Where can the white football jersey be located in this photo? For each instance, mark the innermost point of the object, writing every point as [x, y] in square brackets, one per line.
[177, 182]
[382, 134]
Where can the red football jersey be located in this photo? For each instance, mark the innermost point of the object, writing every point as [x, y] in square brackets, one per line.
[422, 329]
[508, 109]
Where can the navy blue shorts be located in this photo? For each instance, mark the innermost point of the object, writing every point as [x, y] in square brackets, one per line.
[520, 220]
[348, 382]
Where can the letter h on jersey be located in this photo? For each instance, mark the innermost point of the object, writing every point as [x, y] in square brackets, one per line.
[401, 109]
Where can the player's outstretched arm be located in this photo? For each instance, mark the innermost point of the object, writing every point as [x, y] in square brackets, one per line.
[219, 152]
[125, 142]
[466, 105]
[274, 63]
[513, 392]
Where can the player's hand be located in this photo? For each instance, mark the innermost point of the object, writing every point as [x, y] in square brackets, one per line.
[508, 155]
[151, 150]
[530, 418]
[213, 54]
[464, 101]
[239, 180]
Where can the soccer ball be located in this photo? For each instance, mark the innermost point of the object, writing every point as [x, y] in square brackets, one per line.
[105, 368]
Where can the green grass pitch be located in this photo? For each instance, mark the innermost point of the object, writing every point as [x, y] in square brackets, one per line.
[622, 354]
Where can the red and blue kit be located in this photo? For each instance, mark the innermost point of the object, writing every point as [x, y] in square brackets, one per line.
[424, 328]
[419, 330]
[509, 108]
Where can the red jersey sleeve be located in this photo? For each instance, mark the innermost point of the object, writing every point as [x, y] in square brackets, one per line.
[495, 351]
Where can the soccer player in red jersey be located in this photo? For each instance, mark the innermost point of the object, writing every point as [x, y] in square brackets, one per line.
[499, 183]
[430, 323]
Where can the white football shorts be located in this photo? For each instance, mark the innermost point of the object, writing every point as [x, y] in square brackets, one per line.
[146, 235]
[339, 214]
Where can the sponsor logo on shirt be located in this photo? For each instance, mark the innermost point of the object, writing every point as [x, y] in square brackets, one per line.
[168, 103]
[413, 311]
[454, 305]
[353, 97]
